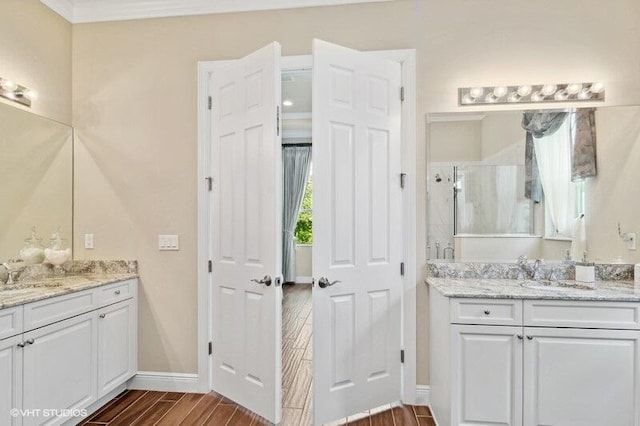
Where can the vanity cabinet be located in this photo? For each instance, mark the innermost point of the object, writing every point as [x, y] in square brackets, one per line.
[487, 371]
[69, 352]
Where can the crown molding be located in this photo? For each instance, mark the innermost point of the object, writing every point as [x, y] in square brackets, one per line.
[63, 8]
[120, 10]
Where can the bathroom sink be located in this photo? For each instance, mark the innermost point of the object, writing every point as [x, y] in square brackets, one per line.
[556, 285]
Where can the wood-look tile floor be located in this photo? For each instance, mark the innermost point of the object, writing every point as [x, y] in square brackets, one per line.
[136, 407]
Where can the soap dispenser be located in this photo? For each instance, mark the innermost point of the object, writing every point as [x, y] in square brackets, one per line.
[33, 251]
[57, 254]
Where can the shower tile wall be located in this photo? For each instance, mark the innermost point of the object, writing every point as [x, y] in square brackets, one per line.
[440, 210]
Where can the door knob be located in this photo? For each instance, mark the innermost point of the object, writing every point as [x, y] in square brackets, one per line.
[324, 282]
[266, 280]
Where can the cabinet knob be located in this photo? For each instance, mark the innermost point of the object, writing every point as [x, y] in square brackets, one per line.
[487, 312]
[529, 337]
[520, 336]
[30, 341]
[21, 345]
[103, 315]
[117, 292]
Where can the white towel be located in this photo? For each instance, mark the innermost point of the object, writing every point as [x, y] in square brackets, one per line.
[578, 239]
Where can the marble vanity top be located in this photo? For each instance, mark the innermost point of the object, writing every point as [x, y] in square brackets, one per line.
[497, 288]
[39, 283]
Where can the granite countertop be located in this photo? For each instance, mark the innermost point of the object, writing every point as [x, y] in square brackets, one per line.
[498, 288]
[28, 291]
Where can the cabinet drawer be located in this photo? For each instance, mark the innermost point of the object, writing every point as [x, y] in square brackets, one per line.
[486, 311]
[596, 314]
[10, 322]
[55, 309]
[116, 292]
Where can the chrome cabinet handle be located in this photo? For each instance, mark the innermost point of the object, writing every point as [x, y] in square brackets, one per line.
[103, 316]
[117, 292]
[324, 282]
[266, 280]
[30, 341]
[529, 337]
[21, 345]
[487, 312]
[520, 337]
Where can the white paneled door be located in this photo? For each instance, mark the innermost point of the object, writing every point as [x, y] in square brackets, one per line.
[246, 224]
[357, 231]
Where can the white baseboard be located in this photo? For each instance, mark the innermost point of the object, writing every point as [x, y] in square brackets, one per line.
[423, 395]
[164, 382]
[304, 280]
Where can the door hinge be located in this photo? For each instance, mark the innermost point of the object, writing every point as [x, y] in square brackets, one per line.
[402, 268]
[402, 94]
[209, 102]
[277, 121]
[402, 356]
[210, 266]
[403, 179]
[210, 348]
[209, 183]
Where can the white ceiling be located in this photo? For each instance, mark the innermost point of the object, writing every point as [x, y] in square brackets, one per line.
[79, 11]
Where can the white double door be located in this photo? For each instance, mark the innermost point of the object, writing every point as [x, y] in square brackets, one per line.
[357, 231]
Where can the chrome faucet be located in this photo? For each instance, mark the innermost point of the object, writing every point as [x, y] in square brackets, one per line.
[525, 269]
[10, 273]
[448, 247]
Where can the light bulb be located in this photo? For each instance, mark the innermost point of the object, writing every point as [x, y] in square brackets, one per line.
[574, 89]
[514, 97]
[476, 92]
[491, 99]
[8, 85]
[287, 103]
[584, 94]
[524, 91]
[31, 94]
[466, 99]
[561, 95]
[537, 97]
[597, 88]
[549, 89]
[500, 91]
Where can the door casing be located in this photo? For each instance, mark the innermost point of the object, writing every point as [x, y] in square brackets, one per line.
[206, 71]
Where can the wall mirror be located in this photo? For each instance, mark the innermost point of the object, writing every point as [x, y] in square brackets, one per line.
[36, 171]
[477, 205]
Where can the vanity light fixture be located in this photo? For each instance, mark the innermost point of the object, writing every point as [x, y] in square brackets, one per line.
[17, 93]
[287, 103]
[573, 92]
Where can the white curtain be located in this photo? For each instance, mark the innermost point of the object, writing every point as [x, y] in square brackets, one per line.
[553, 153]
[296, 162]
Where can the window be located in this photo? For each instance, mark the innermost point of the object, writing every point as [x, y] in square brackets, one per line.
[564, 200]
[304, 227]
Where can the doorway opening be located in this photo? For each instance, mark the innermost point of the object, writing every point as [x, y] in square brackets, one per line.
[297, 350]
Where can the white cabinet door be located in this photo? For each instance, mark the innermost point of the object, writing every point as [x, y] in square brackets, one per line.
[10, 380]
[486, 375]
[357, 231]
[60, 367]
[581, 377]
[117, 354]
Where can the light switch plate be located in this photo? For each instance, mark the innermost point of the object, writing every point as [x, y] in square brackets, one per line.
[88, 241]
[168, 242]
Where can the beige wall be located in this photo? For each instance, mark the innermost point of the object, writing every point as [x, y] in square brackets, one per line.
[455, 141]
[134, 92]
[35, 51]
